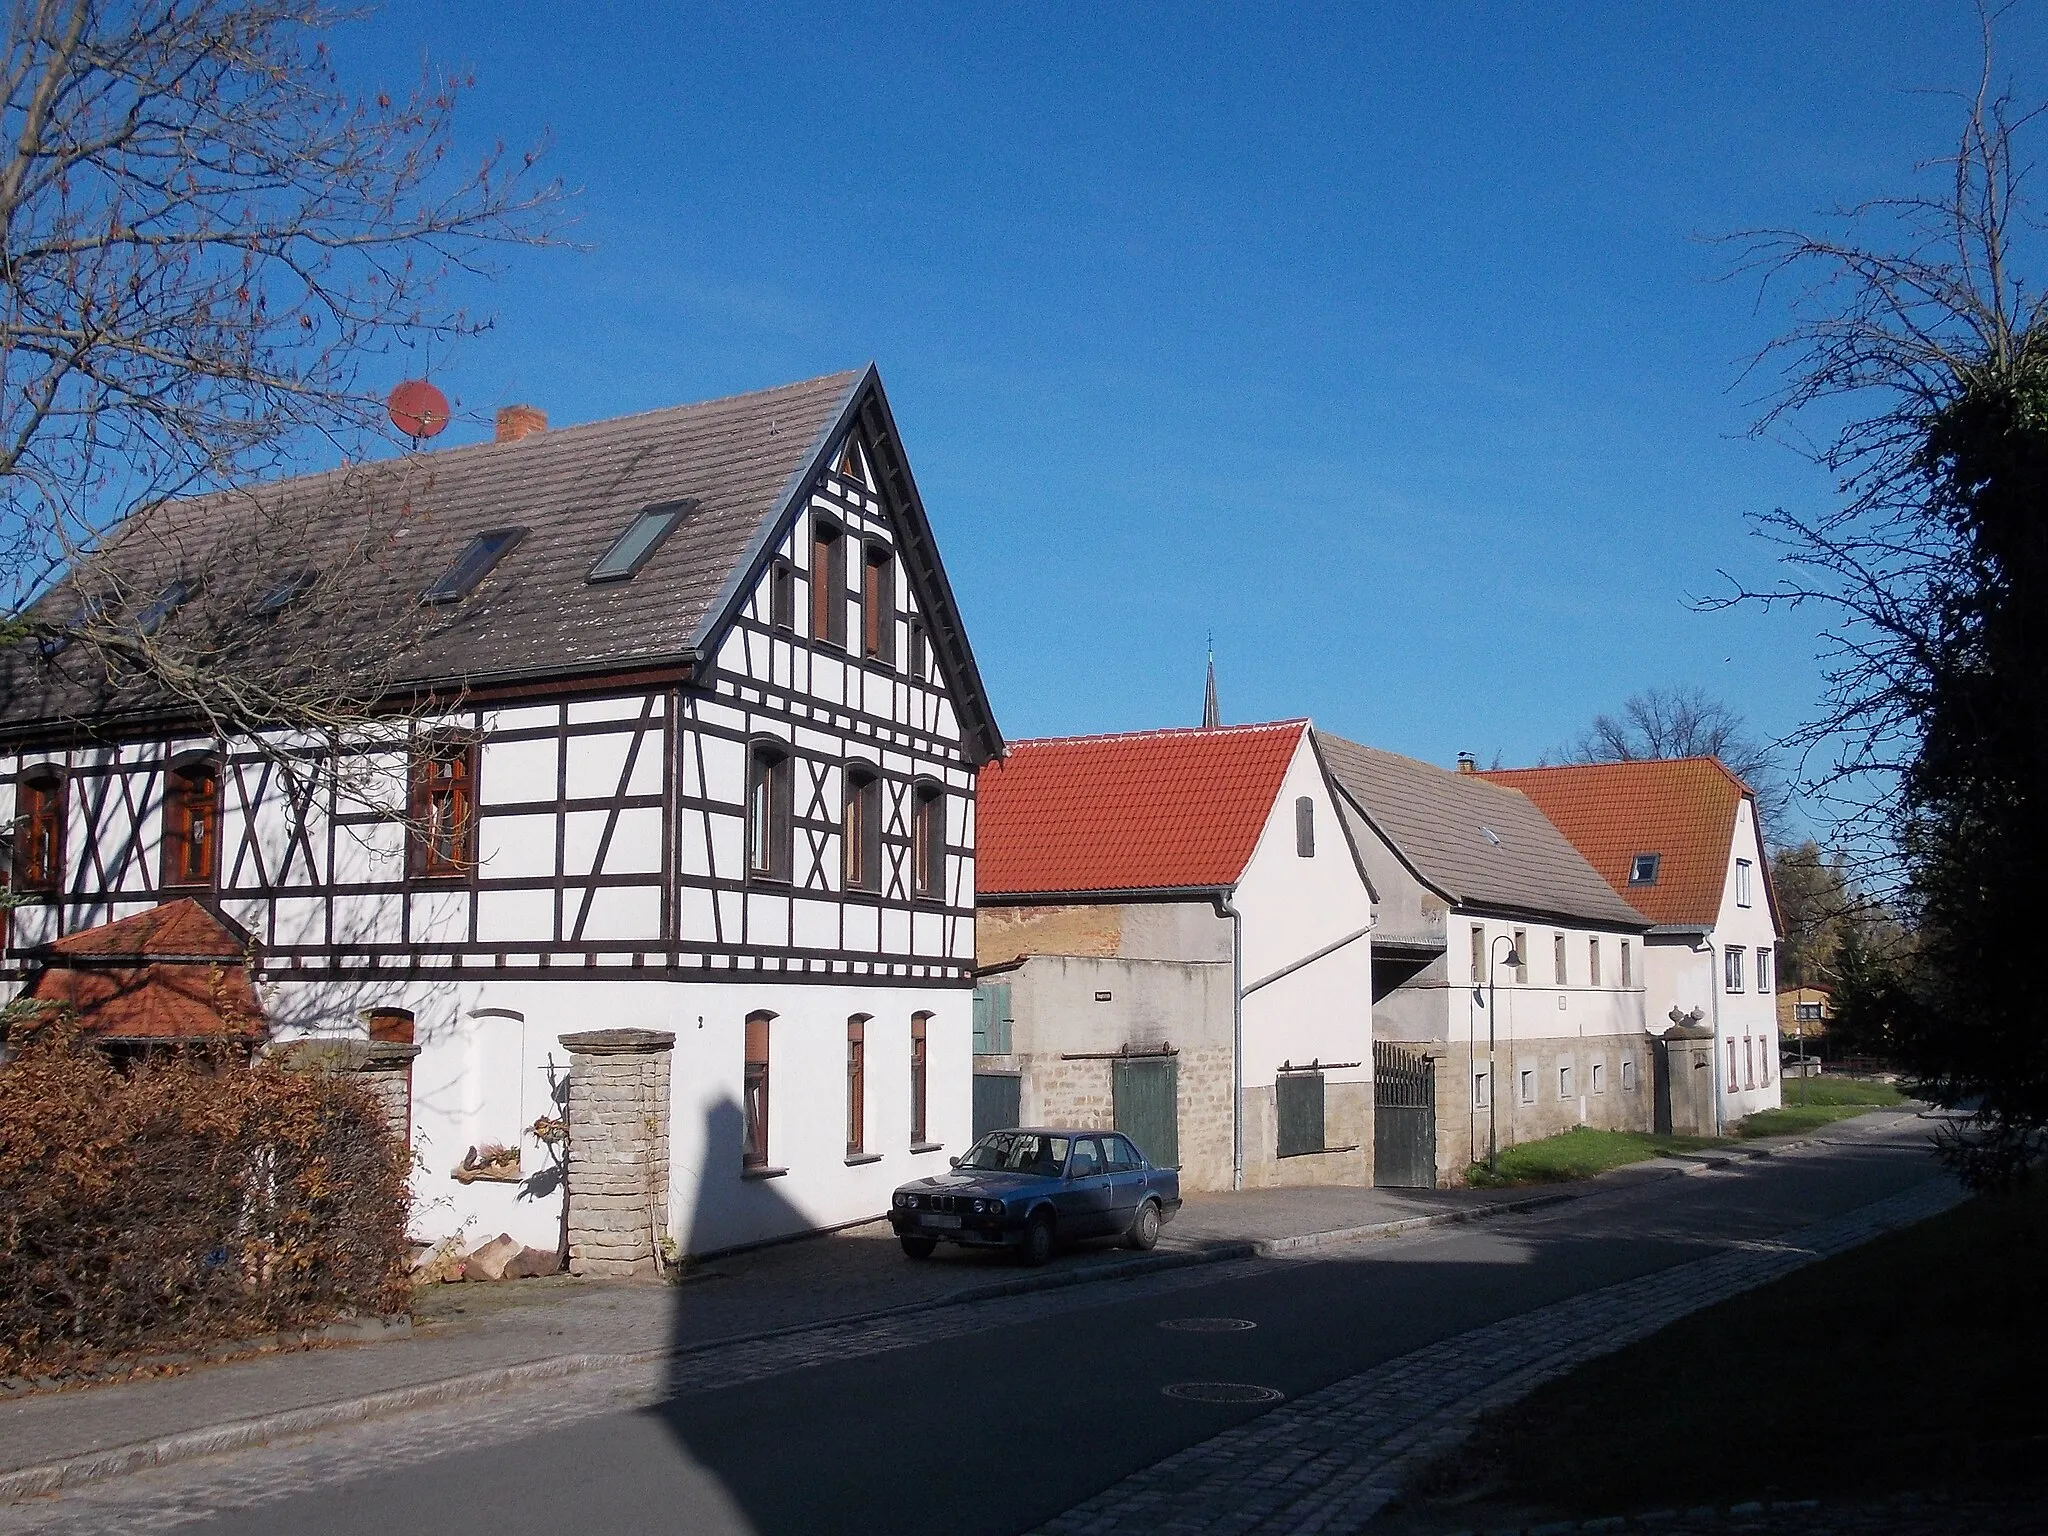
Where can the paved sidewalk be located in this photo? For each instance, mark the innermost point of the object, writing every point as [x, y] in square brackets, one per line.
[472, 1339]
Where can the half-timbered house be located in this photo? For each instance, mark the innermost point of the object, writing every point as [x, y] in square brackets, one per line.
[698, 756]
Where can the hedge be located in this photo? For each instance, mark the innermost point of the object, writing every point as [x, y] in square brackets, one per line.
[185, 1199]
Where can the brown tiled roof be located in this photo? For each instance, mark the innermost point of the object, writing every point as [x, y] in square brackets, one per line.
[156, 1002]
[1151, 810]
[177, 930]
[1680, 808]
[744, 460]
[175, 972]
[1439, 823]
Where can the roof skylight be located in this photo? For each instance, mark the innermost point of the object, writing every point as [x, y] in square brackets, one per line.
[636, 546]
[165, 603]
[287, 591]
[1642, 869]
[473, 565]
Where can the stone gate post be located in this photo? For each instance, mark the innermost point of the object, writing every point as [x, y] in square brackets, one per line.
[618, 1149]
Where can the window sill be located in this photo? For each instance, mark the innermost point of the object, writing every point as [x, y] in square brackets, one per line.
[1318, 1151]
[927, 1146]
[762, 1173]
[861, 1159]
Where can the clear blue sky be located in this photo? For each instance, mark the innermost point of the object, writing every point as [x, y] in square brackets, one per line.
[1385, 346]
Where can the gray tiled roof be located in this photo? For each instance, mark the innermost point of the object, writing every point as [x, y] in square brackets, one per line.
[1438, 821]
[574, 488]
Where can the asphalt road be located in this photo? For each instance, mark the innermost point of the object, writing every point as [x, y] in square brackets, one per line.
[997, 1430]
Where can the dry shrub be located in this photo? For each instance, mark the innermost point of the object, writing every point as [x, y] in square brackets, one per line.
[185, 1199]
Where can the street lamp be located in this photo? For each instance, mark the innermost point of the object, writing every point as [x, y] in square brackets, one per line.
[1493, 961]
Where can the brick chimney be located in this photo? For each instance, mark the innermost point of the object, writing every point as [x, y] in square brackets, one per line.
[517, 421]
[1467, 763]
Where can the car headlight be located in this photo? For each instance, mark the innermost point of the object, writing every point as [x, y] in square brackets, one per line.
[903, 1201]
[989, 1207]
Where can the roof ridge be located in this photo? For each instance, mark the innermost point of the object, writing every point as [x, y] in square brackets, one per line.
[1710, 759]
[1160, 731]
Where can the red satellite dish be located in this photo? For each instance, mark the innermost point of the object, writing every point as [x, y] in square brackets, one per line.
[417, 409]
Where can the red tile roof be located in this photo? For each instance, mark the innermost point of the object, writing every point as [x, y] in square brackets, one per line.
[175, 972]
[177, 930]
[157, 1002]
[1681, 808]
[1151, 810]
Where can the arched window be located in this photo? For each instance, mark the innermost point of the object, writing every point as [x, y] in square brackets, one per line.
[39, 830]
[860, 830]
[754, 1093]
[828, 584]
[771, 796]
[191, 843]
[919, 1026]
[928, 842]
[856, 1085]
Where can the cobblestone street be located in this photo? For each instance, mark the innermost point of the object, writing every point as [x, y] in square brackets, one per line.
[1325, 1460]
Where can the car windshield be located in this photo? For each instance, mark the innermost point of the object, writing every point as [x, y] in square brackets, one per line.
[1018, 1152]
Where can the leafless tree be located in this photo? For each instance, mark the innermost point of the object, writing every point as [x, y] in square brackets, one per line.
[1685, 722]
[1919, 302]
[208, 246]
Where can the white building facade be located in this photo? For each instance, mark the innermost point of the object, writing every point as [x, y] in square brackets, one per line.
[711, 772]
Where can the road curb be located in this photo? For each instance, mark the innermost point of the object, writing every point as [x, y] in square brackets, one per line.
[244, 1434]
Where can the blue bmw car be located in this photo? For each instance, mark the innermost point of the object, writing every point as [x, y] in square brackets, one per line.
[1031, 1189]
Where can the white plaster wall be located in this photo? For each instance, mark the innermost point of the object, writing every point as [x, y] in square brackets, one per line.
[1540, 1008]
[1748, 1017]
[1291, 908]
[485, 1079]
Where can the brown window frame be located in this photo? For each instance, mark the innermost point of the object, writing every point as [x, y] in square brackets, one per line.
[852, 466]
[828, 583]
[754, 1102]
[38, 857]
[191, 824]
[436, 799]
[920, 1079]
[878, 604]
[928, 842]
[782, 596]
[856, 1085]
[860, 830]
[771, 811]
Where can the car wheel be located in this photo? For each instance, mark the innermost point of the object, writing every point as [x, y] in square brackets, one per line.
[919, 1247]
[1037, 1245]
[1144, 1230]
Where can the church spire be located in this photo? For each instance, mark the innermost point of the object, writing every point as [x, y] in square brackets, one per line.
[1211, 716]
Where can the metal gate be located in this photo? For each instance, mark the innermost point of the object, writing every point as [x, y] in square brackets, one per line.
[996, 1099]
[1146, 1092]
[1403, 1117]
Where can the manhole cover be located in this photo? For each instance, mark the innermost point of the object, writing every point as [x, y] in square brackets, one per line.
[1223, 1392]
[1208, 1324]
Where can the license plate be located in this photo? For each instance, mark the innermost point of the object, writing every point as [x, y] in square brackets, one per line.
[943, 1222]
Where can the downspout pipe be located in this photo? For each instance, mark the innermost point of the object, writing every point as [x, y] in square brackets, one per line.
[1223, 905]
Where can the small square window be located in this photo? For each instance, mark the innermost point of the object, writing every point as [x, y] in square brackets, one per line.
[1628, 1077]
[1564, 1082]
[1528, 1087]
[1482, 1090]
[1642, 869]
[1599, 1077]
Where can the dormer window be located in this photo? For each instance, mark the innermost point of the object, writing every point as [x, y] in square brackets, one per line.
[636, 546]
[1642, 869]
[473, 565]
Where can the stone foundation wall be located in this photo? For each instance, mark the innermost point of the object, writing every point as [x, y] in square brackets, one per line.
[1622, 1104]
[1347, 1130]
[618, 1149]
